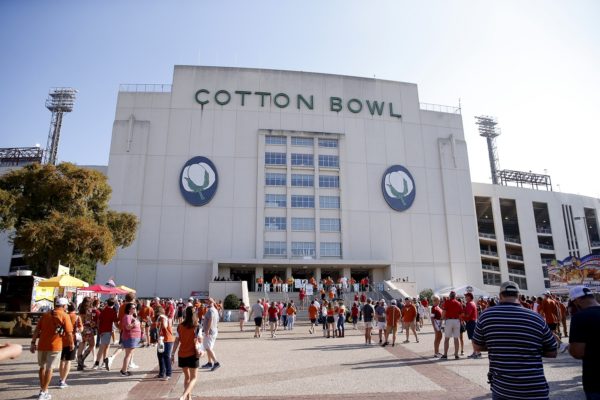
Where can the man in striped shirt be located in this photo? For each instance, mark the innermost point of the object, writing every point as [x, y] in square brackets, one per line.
[516, 339]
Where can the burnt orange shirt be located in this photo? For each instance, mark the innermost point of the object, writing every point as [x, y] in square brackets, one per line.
[187, 341]
[392, 315]
[550, 311]
[77, 327]
[291, 310]
[312, 311]
[49, 340]
[146, 312]
[409, 313]
[166, 333]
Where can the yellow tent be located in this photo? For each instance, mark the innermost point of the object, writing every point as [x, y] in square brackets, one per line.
[63, 281]
[127, 289]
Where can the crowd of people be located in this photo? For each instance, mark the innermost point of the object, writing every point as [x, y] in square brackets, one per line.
[515, 330]
[70, 333]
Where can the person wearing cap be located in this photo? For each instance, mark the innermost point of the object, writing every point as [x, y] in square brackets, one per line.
[583, 341]
[392, 318]
[52, 327]
[516, 339]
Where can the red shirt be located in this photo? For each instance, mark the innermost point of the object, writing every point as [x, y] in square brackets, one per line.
[436, 312]
[108, 316]
[273, 312]
[470, 312]
[453, 309]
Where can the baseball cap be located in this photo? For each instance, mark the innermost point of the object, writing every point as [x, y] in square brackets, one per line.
[509, 288]
[393, 302]
[61, 301]
[579, 291]
[452, 294]
[547, 293]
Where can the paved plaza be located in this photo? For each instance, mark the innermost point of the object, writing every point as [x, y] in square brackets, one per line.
[294, 365]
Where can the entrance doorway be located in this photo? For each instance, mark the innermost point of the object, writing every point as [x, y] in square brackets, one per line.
[245, 275]
[302, 273]
[334, 274]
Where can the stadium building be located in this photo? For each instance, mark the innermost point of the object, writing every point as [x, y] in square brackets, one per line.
[249, 173]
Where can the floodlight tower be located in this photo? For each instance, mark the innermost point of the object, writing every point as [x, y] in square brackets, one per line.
[488, 129]
[59, 101]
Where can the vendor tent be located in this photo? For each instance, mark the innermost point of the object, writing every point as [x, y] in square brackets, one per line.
[101, 289]
[127, 289]
[461, 290]
[63, 281]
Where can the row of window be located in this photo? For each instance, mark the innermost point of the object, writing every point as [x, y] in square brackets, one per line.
[303, 249]
[495, 279]
[302, 180]
[301, 201]
[301, 141]
[302, 160]
[302, 224]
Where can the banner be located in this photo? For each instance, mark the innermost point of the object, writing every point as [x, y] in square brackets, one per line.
[573, 271]
[62, 270]
[309, 290]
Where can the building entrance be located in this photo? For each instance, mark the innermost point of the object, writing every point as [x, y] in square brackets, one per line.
[334, 274]
[301, 273]
[245, 275]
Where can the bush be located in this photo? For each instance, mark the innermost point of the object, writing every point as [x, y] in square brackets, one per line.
[427, 294]
[231, 302]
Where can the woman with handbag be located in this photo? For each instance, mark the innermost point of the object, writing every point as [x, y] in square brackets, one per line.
[190, 350]
[165, 344]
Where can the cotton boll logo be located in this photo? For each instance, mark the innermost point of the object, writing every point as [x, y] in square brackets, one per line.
[398, 187]
[198, 181]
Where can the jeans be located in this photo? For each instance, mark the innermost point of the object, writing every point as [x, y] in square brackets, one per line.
[290, 322]
[340, 323]
[592, 395]
[164, 360]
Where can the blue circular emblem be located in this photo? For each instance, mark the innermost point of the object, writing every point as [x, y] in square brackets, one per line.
[398, 187]
[198, 181]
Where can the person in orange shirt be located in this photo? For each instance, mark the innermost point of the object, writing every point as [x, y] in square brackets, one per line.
[313, 312]
[190, 349]
[563, 317]
[67, 355]
[550, 310]
[291, 315]
[392, 318]
[146, 318]
[165, 344]
[409, 317]
[50, 330]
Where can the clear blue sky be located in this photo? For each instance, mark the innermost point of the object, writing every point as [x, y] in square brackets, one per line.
[532, 64]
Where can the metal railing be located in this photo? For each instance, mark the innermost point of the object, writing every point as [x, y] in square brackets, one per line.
[546, 246]
[440, 108]
[145, 87]
[543, 229]
[595, 244]
[516, 271]
[514, 257]
[487, 235]
[489, 253]
[512, 239]
[490, 267]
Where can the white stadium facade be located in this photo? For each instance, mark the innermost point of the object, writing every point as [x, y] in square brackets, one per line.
[249, 173]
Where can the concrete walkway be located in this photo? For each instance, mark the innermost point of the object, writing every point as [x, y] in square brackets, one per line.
[294, 365]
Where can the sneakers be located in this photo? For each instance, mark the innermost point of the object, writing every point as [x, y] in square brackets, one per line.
[563, 347]
[443, 357]
[133, 365]
[406, 341]
[125, 373]
[166, 378]
[106, 364]
[216, 366]
[477, 356]
[207, 365]
[96, 365]
[384, 344]
[456, 357]
[63, 385]
[44, 396]
[109, 362]
[437, 355]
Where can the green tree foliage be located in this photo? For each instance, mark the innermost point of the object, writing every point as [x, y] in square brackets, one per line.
[60, 213]
[426, 294]
[231, 302]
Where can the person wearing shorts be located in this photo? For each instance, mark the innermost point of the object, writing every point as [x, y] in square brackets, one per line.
[131, 335]
[52, 327]
[313, 312]
[257, 311]
[451, 314]
[470, 318]
[187, 341]
[273, 312]
[210, 332]
[409, 317]
[367, 313]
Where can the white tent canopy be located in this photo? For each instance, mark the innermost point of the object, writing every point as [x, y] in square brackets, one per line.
[461, 290]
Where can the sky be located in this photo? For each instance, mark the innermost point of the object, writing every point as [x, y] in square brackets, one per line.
[534, 65]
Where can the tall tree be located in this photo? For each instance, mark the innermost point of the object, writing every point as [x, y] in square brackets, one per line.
[60, 213]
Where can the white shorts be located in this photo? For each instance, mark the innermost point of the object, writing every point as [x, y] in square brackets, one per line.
[368, 324]
[381, 325]
[452, 328]
[209, 341]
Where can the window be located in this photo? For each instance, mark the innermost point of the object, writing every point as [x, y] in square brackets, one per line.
[329, 161]
[328, 143]
[275, 200]
[275, 249]
[303, 160]
[329, 181]
[330, 224]
[519, 280]
[275, 223]
[329, 201]
[274, 179]
[275, 139]
[303, 180]
[274, 158]
[300, 201]
[303, 249]
[490, 278]
[331, 249]
[301, 141]
[303, 224]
